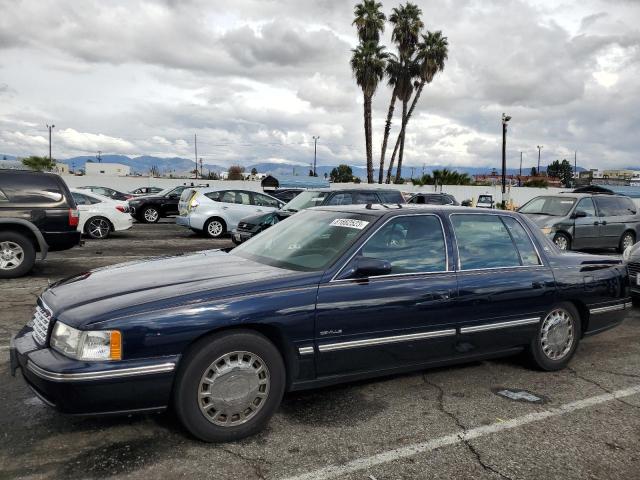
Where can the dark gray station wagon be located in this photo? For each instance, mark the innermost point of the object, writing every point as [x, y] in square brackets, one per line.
[577, 220]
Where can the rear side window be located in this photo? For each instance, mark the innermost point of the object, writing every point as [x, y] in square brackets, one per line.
[412, 244]
[83, 199]
[264, 201]
[215, 196]
[341, 199]
[32, 189]
[612, 206]
[390, 196]
[241, 198]
[528, 253]
[484, 242]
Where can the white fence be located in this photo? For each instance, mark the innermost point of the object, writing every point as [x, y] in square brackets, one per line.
[519, 195]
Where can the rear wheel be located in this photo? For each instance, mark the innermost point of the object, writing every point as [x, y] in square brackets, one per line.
[98, 228]
[214, 228]
[627, 240]
[562, 241]
[557, 338]
[150, 215]
[17, 255]
[229, 386]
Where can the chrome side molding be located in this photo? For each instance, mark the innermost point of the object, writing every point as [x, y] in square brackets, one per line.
[100, 375]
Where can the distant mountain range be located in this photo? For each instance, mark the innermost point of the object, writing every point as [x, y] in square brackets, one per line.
[181, 166]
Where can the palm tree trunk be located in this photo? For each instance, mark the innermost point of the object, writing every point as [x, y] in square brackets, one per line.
[367, 134]
[387, 131]
[402, 130]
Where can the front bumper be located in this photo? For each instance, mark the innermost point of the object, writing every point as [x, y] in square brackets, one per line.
[89, 388]
[240, 236]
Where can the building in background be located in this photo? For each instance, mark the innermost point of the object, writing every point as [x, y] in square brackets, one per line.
[110, 169]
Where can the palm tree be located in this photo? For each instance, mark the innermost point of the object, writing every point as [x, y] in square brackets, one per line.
[393, 69]
[368, 63]
[406, 31]
[369, 20]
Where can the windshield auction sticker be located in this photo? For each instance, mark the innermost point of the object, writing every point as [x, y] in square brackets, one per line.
[349, 223]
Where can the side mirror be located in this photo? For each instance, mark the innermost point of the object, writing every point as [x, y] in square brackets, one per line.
[371, 267]
[579, 214]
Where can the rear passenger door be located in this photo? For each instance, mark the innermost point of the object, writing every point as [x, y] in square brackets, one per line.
[388, 321]
[237, 206]
[503, 285]
[611, 213]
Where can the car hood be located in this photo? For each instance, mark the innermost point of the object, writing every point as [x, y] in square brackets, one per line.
[157, 283]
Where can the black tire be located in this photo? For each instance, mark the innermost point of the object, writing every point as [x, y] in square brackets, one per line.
[106, 228]
[214, 233]
[562, 241]
[150, 215]
[27, 258]
[198, 361]
[626, 237]
[538, 349]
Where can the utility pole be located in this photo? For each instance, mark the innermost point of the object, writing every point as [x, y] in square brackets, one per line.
[99, 157]
[315, 152]
[195, 146]
[505, 119]
[539, 148]
[50, 127]
[520, 174]
[201, 176]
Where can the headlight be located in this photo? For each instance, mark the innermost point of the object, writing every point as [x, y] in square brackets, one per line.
[547, 230]
[87, 345]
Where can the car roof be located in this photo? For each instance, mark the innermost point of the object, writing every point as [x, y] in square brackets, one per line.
[581, 195]
[393, 209]
[351, 190]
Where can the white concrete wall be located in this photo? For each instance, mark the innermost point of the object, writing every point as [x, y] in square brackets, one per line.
[519, 195]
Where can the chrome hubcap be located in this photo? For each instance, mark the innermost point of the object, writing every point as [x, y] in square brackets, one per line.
[150, 215]
[557, 334]
[234, 388]
[11, 255]
[562, 243]
[99, 228]
[627, 241]
[215, 228]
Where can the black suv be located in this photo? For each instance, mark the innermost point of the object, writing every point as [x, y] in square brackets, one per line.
[250, 226]
[150, 208]
[433, 199]
[37, 214]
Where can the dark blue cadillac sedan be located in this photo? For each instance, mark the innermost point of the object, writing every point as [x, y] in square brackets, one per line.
[331, 295]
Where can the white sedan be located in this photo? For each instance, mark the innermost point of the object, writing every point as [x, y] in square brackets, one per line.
[216, 212]
[99, 215]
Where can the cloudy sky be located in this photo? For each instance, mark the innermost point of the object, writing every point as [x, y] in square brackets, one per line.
[256, 79]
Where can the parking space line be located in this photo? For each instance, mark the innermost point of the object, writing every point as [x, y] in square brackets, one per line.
[454, 438]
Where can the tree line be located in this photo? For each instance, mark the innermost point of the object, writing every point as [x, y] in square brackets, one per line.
[419, 56]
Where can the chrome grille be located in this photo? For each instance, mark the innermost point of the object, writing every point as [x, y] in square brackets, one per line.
[634, 268]
[41, 319]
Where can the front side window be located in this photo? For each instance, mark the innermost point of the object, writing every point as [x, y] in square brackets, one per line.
[264, 201]
[586, 205]
[340, 199]
[366, 198]
[308, 241]
[390, 196]
[305, 200]
[412, 244]
[483, 242]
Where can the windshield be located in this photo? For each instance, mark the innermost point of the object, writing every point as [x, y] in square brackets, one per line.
[485, 199]
[304, 200]
[555, 206]
[309, 241]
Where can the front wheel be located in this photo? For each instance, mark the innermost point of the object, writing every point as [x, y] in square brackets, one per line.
[562, 241]
[150, 215]
[557, 338]
[229, 386]
[627, 240]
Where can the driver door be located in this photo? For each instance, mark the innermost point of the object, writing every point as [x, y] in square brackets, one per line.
[403, 318]
[586, 230]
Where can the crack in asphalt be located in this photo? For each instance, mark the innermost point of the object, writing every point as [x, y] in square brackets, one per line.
[464, 429]
[600, 386]
[254, 463]
[622, 374]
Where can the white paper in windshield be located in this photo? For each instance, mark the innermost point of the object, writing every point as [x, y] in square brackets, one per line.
[349, 223]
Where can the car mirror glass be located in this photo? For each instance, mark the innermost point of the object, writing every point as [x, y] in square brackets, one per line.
[579, 214]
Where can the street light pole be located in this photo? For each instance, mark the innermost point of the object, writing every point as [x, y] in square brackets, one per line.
[505, 119]
[539, 148]
[315, 152]
[50, 127]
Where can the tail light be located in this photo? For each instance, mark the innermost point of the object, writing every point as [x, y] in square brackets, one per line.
[74, 216]
[122, 208]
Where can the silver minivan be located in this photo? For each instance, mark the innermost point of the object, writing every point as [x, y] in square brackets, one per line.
[579, 220]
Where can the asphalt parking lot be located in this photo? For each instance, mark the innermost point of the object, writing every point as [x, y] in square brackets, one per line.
[447, 423]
